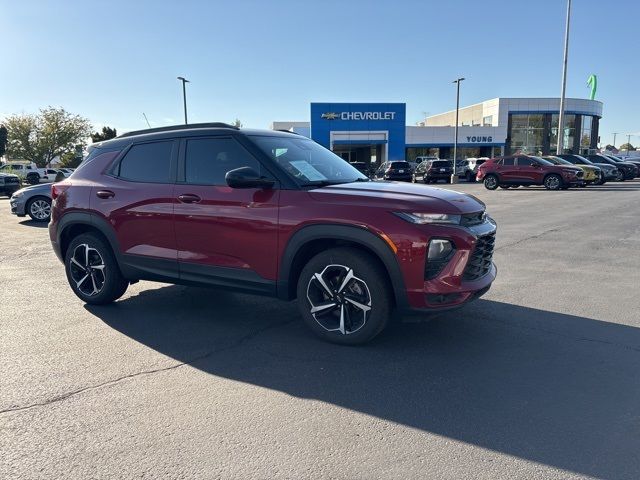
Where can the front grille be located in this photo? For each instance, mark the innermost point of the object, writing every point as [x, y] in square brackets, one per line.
[11, 180]
[480, 262]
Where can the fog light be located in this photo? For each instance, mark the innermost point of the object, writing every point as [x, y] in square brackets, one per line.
[439, 249]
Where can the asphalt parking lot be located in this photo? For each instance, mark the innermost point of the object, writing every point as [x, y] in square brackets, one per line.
[539, 379]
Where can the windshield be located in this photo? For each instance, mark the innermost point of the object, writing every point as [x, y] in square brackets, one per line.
[558, 160]
[308, 162]
[541, 160]
[400, 165]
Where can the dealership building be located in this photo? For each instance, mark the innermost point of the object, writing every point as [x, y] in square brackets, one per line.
[376, 132]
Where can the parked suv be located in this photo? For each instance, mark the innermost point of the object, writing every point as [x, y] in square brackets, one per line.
[519, 170]
[269, 213]
[629, 170]
[394, 170]
[468, 168]
[609, 172]
[432, 171]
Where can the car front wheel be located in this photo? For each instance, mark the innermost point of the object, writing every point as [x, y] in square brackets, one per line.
[344, 296]
[553, 182]
[491, 182]
[92, 270]
[39, 209]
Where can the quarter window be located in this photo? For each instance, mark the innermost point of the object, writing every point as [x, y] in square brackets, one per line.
[207, 160]
[147, 162]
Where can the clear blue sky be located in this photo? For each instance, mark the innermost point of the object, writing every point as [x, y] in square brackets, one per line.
[267, 60]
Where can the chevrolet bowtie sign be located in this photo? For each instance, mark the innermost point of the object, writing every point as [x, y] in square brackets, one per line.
[358, 115]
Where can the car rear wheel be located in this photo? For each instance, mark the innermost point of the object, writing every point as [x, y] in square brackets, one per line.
[92, 270]
[553, 182]
[344, 296]
[470, 177]
[491, 182]
[39, 209]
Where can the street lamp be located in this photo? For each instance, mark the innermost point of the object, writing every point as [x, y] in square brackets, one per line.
[455, 134]
[184, 96]
[560, 143]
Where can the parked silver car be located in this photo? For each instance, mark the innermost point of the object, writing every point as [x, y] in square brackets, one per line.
[34, 201]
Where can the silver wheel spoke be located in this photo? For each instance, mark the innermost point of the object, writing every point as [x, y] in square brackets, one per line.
[73, 260]
[320, 280]
[321, 308]
[346, 280]
[342, 319]
[95, 287]
[364, 308]
[98, 267]
[86, 255]
[81, 281]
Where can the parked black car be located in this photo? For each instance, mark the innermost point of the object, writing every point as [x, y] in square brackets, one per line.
[394, 170]
[629, 170]
[432, 171]
[9, 183]
[635, 161]
[609, 172]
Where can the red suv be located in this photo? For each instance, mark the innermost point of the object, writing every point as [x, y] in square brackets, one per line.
[268, 213]
[519, 170]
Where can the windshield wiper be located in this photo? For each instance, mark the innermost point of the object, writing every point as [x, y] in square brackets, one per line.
[318, 183]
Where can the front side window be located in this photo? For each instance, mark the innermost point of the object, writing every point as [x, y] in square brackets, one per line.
[147, 162]
[207, 160]
[306, 161]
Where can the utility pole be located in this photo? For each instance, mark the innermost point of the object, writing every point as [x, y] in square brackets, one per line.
[560, 147]
[454, 177]
[615, 134]
[184, 96]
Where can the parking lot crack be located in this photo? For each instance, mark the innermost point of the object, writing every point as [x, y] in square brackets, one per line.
[233, 345]
[526, 239]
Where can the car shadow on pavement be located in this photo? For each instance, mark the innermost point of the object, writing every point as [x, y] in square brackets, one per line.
[33, 223]
[552, 388]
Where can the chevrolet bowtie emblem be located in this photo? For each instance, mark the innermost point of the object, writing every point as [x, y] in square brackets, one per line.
[330, 116]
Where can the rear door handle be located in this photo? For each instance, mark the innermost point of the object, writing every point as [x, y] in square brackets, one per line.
[105, 194]
[189, 198]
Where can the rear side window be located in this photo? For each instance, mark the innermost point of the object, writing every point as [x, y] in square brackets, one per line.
[147, 162]
[525, 161]
[207, 160]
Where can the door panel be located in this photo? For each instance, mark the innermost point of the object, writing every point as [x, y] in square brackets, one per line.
[141, 212]
[508, 171]
[218, 227]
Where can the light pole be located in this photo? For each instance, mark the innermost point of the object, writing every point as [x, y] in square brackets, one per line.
[455, 134]
[184, 96]
[560, 146]
[615, 134]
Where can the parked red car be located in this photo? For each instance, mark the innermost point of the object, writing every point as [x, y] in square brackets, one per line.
[268, 213]
[516, 170]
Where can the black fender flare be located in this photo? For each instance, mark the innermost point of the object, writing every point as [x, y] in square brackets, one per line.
[354, 234]
[92, 220]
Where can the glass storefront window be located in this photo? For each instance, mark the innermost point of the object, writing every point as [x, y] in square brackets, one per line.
[487, 121]
[527, 133]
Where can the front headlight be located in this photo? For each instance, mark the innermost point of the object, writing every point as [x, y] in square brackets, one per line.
[430, 218]
[17, 194]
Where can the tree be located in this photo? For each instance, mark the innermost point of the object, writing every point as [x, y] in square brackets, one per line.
[611, 148]
[3, 140]
[42, 137]
[107, 133]
[627, 146]
[237, 123]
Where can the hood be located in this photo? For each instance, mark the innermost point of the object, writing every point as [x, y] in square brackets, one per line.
[399, 196]
[604, 166]
[44, 188]
[5, 175]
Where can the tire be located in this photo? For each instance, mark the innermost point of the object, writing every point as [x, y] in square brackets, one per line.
[619, 176]
[490, 182]
[96, 286]
[583, 185]
[368, 288]
[553, 182]
[470, 177]
[39, 209]
[33, 179]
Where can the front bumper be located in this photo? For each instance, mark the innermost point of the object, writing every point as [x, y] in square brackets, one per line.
[18, 206]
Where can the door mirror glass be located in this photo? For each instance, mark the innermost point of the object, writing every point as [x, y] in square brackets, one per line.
[247, 177]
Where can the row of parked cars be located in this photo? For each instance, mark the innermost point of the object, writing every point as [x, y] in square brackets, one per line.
[555, 172]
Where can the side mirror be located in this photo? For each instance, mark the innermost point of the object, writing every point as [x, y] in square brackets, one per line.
[247, 177]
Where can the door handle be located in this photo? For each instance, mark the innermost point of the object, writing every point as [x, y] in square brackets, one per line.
[105, 194]
[189, 198]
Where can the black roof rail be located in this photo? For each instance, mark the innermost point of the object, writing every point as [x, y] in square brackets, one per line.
[179, 127]
[286, 131]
